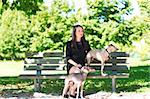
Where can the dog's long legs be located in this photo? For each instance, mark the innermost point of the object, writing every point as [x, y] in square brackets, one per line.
[78, 89]
[102, 69]
[66, 87]
[72, 89]
[82, 85]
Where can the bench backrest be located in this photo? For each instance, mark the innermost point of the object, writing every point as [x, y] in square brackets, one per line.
[117, 63]
[51, 61]
[55, 61]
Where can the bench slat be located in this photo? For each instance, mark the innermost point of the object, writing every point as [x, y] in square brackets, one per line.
[119, 54]
[120, 68]
[111, 60]
[44, 54]
[43, 61]
[53, 54]
[122, 75]
[32, 76]
[58, 60]
[58, 67]
[62, 76]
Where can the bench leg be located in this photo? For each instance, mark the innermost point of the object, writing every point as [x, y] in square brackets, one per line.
[113, 84]
[37, 85]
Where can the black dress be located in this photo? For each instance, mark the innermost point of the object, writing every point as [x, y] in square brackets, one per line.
[78, 55]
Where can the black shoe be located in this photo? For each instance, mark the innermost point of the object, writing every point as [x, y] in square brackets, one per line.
[72, 96]
[66, 96]
[79, 95]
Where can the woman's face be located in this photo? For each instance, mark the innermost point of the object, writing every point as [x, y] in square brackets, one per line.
[79, 32]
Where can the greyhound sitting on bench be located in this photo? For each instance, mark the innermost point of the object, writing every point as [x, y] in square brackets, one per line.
[102, 56]
[78, 79]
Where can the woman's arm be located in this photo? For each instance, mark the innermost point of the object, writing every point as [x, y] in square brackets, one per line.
[69, 55]
[72, 62]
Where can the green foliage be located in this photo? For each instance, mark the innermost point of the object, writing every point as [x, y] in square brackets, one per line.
[28, 6]
[145, 11]
[104, 23]
[14, 34]
[107, 10]
[50, 29]
[100, 35]
[0, 7]
[27, 25]
[142, 26]
[145, 6]
[5, 4]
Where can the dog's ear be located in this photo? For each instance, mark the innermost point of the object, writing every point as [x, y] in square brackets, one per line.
[117, 48]
[114, 46]
[110, 45]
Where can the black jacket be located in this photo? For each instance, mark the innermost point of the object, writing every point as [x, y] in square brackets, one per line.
[78, 55]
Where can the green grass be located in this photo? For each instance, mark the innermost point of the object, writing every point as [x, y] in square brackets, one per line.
[139, 81]
[10, 68]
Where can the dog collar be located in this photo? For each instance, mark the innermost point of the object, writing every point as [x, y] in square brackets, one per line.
[108, 53]
[84, 71]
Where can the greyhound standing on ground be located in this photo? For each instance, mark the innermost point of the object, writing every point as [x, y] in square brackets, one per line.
[78, 79]
[102, 56]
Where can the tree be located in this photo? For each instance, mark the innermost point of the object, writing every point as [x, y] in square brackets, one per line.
[43, 29]
[51, 28]
[28, 6]
[106, 10]
[14, 36]
[105, 24]
[145, 12]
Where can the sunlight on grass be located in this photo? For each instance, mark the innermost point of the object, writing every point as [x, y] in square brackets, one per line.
[15, 84]
[10, 68]
[144, 89]
[137, 62]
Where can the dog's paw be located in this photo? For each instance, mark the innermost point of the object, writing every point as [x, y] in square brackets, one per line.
[81, 97]
[104, 74]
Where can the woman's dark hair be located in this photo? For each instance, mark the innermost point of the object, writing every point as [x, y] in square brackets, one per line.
[83, 41]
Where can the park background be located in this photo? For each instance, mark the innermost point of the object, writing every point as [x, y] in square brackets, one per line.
[45, 25]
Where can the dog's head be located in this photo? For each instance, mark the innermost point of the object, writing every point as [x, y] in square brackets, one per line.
[87, 69]
[112, 48]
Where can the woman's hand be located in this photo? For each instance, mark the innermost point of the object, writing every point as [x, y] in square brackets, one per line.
[74, 63]
[79, 66]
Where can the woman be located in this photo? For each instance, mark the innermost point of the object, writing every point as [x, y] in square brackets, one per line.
[76, 51]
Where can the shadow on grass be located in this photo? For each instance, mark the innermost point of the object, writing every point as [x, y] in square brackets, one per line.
[139, 78]
[14, 87]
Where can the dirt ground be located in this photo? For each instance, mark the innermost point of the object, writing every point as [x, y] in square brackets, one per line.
[99, 95]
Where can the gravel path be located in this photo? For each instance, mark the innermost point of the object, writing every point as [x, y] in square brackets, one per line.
[99, 95]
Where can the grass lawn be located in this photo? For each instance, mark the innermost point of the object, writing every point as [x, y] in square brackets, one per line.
[10, 68]
[139, 80]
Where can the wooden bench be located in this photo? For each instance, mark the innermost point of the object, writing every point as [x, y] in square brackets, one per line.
[55, 65]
